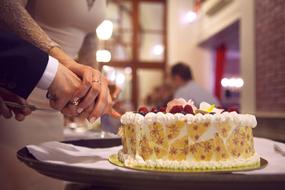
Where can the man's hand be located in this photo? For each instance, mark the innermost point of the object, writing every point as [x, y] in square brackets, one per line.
[20, 114]
[62, 89]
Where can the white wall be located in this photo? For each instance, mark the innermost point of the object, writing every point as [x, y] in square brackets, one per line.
[247, 47]
[183, 40]
[211, 25]
[148, 80]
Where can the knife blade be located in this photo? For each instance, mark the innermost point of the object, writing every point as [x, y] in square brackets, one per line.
[31, 107]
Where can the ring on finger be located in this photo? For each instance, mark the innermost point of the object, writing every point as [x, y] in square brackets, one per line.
[74, 102]
[97, 81]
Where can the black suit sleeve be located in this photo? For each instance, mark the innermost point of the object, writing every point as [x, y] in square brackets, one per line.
[21, 64]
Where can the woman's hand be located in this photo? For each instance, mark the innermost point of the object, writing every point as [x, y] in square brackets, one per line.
[91, 85]
[93, 93]
[88, 75]
[20, 114]
[103, 103]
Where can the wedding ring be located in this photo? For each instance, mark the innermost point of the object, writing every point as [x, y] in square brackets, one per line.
[74, 102]
[96, 81]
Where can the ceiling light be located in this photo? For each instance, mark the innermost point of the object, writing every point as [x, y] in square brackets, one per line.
[158, 49]
[103, 56]
[190, 17]
[104, 30]
[232, 82]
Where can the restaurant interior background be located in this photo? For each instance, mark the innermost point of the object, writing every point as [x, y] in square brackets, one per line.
[234, 47]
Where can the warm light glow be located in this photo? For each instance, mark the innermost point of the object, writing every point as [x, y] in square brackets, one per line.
[104, 30]
[238, 83]
[225, 82]
[157, 49]
[232, 82]
[114, 76]
[190, 17]
[110, 73]
[128, 70]
[103, 56]
[120, 79]
[107, 68]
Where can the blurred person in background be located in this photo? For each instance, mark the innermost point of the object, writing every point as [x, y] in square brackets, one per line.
[60, 34]
[187, 88]
[160, 96]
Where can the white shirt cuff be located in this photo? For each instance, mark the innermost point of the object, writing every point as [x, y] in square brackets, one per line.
[49, 74]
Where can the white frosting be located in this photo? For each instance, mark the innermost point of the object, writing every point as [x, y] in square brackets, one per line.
[169, 164]
[165, 118]
[132, 118]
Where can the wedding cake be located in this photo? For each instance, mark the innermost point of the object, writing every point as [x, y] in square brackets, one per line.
[182, 136]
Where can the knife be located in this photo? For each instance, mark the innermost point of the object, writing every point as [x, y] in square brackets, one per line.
[278, 149]
[31, 107]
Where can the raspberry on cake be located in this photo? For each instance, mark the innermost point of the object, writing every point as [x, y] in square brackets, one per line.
[184, 137]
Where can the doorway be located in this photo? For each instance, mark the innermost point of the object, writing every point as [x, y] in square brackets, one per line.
[227, 81]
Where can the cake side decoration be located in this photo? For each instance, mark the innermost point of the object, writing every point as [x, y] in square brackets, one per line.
[182, 137]
[209, 108]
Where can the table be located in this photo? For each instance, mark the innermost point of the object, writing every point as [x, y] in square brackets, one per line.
[71, 134]
[106, 176]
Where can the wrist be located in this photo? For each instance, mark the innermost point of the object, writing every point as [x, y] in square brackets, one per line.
[61, 56]
[56, 79]
[49, 74]
[55, 51]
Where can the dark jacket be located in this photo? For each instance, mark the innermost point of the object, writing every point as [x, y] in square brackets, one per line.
[21, 64]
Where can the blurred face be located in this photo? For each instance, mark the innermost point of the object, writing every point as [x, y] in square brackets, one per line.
[177, 81]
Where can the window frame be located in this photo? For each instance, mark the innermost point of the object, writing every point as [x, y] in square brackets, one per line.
[135, 63]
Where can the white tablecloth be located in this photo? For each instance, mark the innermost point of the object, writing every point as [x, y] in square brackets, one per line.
[70, 134]
[60, 153]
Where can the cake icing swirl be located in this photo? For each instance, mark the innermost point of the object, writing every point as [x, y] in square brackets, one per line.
[233, 117]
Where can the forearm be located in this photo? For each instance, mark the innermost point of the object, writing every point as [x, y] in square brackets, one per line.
[15, 18]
